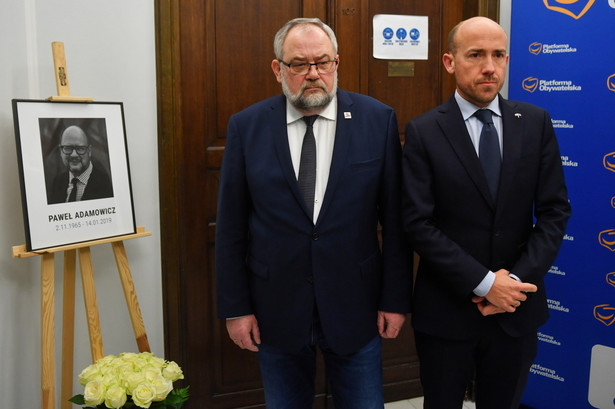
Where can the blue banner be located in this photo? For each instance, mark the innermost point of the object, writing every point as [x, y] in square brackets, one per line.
[562, 58]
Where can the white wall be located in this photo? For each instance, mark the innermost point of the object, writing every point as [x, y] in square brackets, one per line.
[110, 54]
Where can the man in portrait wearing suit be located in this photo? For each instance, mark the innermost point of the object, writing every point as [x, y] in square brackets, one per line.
[487, 220]
[306, 179]
[81, 180]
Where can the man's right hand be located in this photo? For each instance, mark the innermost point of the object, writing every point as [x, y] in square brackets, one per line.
[244, 332]
[506, 294]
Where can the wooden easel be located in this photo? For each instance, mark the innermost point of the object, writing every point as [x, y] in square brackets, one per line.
[68, 315]
[59, 65]
[87, 278]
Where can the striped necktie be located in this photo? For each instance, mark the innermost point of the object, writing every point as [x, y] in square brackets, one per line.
[307, 165]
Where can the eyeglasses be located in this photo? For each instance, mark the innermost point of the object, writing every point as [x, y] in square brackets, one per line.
[302, 68]
[68, 149]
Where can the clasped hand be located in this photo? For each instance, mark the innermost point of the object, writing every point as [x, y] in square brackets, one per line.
[506, 295]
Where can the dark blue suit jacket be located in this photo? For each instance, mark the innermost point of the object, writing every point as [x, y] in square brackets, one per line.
[457, 230]
[272, 261]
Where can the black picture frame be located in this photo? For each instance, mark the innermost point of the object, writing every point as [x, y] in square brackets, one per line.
[84, 195]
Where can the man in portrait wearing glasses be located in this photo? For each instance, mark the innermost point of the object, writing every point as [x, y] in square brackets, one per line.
[81, 180]
[306, 179]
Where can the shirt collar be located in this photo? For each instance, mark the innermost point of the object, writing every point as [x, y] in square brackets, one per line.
[85, 176]
[468, 109]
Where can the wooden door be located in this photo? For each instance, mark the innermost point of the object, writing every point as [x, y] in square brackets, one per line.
[213, 59]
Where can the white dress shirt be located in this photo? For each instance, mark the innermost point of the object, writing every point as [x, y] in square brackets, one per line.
[324, 134]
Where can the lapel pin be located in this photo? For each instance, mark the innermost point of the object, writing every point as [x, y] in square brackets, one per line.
[347, 115]
[518, 115]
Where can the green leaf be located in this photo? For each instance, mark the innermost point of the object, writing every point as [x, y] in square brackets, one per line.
[77, 400]
[177, 397]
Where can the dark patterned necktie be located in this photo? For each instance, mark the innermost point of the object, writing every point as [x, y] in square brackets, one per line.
[73, 193]
[307, 165]
[489, 151]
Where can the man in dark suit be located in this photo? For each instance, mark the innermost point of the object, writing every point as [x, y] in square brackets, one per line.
[479, 294]
[81, 180]
[299, 265]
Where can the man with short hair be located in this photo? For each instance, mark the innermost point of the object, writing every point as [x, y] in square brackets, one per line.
[306, 179]
[485, 207]
[81, 180]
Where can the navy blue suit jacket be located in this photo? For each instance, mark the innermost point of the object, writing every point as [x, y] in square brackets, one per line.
[272, 261]
[460, 233]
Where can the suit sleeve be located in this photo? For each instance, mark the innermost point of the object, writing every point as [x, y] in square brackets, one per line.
[551, 211]
[397, 254]
[232, 286]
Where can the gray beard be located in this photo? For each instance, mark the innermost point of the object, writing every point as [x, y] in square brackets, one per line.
[302, 102]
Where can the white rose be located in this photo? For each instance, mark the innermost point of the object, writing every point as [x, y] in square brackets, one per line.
[106, 360]
[115, 397]
[139, 363]
[172, 372]
[129, 356]
[150, 373]
[94, 393]
[163, 387]
[156, 362]
[143, 395]
[133, 380]
[89, 374]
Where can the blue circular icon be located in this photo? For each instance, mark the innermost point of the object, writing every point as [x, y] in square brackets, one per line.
[387, 33]
[415, 34]
[401, 33]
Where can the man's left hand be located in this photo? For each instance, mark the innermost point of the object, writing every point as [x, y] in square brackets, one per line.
[390, 323]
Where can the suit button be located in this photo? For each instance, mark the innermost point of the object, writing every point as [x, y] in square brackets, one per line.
[310, 279]
[315, 236]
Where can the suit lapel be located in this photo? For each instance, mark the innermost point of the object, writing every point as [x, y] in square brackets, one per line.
[279, 130]
[512, 125]
[454, 128]
[344, 129]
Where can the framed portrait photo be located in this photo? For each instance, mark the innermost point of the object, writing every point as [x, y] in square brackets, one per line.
[74, 172]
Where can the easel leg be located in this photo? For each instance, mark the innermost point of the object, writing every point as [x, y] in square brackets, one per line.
[47, 331]
[68, 327]
[131, 296]
[91, 307]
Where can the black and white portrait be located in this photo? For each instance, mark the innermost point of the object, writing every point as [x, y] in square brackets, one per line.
[75, 159]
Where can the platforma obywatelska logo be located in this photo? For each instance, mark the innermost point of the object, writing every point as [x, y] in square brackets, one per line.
[610, 82]
[535, 48]
[573, 8]
[609, 161]
[530, 84]
[606, 238]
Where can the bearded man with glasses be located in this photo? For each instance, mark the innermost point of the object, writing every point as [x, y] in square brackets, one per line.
[81, 180]
[306, 179]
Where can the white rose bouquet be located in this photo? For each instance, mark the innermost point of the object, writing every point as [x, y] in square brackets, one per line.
[131, 380]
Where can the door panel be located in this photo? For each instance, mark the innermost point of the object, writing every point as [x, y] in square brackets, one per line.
[213, 59]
